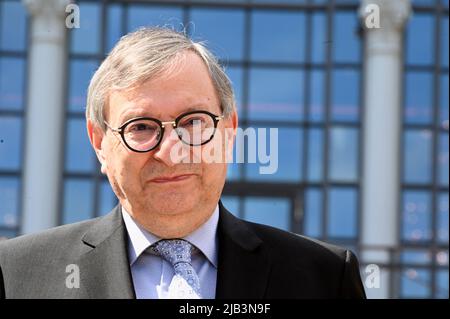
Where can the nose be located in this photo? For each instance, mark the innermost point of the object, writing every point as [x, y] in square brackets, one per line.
[170, 149]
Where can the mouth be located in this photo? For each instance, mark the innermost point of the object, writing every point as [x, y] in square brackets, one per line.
[171, 179]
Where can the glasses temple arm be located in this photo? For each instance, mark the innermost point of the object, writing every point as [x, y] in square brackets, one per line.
[111, 128]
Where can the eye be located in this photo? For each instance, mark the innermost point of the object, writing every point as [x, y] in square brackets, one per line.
[142, 127]
[192, 121]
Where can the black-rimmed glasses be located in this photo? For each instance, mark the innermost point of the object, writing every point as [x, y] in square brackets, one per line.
[144, 134]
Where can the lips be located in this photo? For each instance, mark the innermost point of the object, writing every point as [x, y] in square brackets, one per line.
[171, 179]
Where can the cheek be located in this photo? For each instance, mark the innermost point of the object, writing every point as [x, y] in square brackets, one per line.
[131, 171]
[213, 175]
[125, 168]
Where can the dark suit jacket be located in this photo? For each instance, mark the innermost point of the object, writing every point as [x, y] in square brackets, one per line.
[255, 261]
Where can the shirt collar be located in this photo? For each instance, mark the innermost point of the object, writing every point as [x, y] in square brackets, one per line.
[204, 237]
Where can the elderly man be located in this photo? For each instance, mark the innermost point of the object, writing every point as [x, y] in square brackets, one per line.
[170, 236]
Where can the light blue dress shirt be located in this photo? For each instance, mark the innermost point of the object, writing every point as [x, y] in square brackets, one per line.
[152, 274]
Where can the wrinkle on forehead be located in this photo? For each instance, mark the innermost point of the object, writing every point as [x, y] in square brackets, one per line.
[170, 70]
[194, 88]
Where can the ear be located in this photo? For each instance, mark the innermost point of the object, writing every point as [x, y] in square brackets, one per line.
[233, 120]
[96, 136]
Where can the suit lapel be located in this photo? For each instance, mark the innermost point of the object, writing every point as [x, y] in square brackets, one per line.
[243, 268]
[244, 265]
[104, 268]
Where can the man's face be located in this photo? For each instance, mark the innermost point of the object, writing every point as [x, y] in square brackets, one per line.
[169, 198]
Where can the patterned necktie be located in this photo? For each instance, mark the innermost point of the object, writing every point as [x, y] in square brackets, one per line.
[178, 253]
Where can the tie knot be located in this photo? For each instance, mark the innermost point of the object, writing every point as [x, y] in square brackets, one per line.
[174, 250]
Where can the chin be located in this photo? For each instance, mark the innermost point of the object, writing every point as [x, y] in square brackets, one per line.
[172, 204]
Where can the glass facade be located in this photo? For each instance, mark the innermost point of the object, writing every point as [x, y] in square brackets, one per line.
[424, 203]
[295, 65]
[13, 61]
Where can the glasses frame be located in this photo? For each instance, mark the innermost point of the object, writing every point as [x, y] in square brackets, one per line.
[174, 123]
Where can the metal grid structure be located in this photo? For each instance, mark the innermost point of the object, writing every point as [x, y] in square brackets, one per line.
[243, 187]
[435, 250]
[237, 187]
[11, 166]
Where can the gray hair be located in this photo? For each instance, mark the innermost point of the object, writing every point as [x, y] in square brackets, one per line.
[144, 54]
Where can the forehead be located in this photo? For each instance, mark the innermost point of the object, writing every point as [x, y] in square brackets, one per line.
[185, 84]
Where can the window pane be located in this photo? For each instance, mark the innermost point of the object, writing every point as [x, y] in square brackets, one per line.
[343, 161]
[317, 96]
[278, 36]
[223, 29]
[443, 159]
[444, 102]
[107, 198]
[279, 1]
[417, 156]
[346, 43]
[9, 199]
[442, 218]
[342, 220]
[315, 154]
[416, 216]
[444, 41]
[419, 43]
[276, 94]
[414, 256]
[12, 25]
[79, 154]
[228, 1]
[231, 203]
[419, 95]
[78, 200]
[234, 169]
[86, 38]
[345, 1]
[319, 38]
[415, 283]
[313, 213]
[10, 143]
[81, 72]
[7, 234]
[287, 159]
[274, 212]
[442, 284]
[235, 74]
[425, 3]
[442, 257]
[114, 31]
[12, 83]
[345, 95]
[145, 15]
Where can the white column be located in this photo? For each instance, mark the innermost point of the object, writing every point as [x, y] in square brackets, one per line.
[382, 129]
[44, 114]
